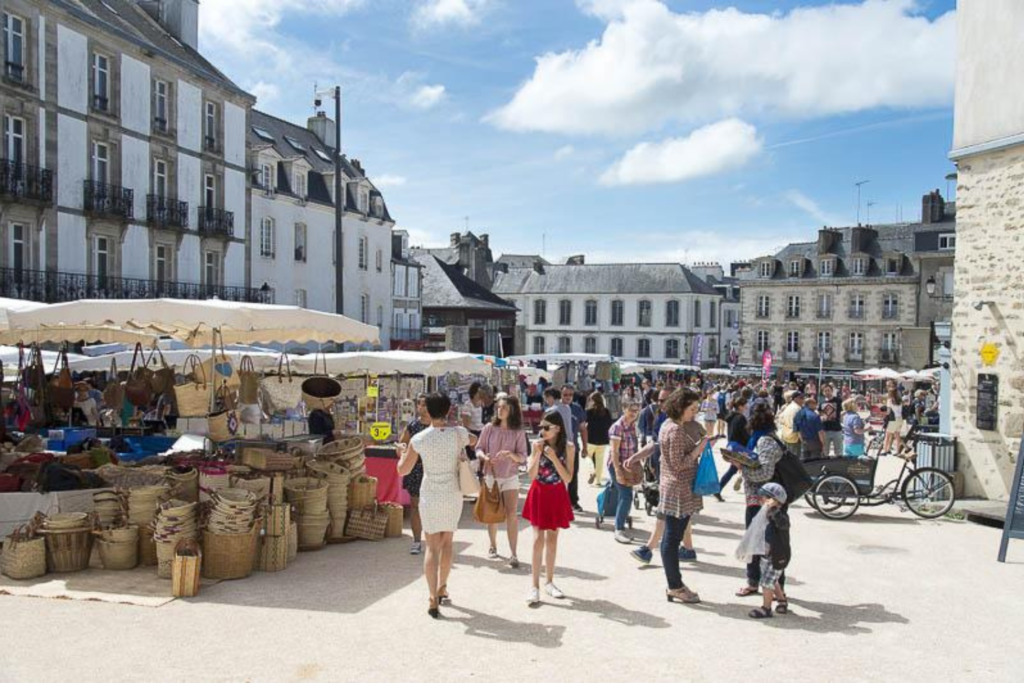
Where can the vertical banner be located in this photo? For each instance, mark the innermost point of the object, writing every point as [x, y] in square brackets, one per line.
[698, 350]
[766, 365]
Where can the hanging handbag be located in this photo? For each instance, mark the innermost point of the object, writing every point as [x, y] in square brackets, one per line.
[705, 482]
[193, 397]
[320, 391]
[468, 483]
[249, 382]
[283, 392]
[113, 393]
[138, 389]
[19, 412]
[222, 426]
[490, 504]
[162, 379]
[61, 389]
[218, 367]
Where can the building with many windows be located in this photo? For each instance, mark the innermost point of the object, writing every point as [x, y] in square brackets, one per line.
[643, 311]
[124, 158]
[406, 295]
[729, 310]
[857, 297]
[293, 222]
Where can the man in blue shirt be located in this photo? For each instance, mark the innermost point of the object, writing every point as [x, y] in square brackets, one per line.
[812, 433]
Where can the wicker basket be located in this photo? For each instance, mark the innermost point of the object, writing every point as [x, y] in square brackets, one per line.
[229, 556]
[367, 523]
[362, 492]
[320, 393]
[24, 556]
[123, 555]
[312, 530]
[269, 459]
[293, 542]
[273, 553]
[279, 518]
[147, 547]
[68, 551]
[395, 515]
[185, 484]
[342, 450]
[258, 485]
[185, 571]
[120, 535]
[309, 495]
[336, 532]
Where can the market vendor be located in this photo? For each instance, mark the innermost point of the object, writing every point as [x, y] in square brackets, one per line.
[86, 403]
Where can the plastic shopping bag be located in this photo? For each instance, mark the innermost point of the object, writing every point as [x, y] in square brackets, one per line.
[706, 481]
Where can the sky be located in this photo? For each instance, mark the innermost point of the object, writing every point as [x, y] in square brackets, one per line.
[625, 130]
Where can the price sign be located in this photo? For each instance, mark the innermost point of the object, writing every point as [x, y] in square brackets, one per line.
[380, 431]
[989, 354]
[372, 391]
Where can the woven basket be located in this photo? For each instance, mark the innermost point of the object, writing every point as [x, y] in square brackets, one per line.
[229, 556]
[269, 459]
[147, 547]
[336, 532]
[273, 553]
[279, 519]
[362, 492]
[128, 534]
[68, 551]
[24, 557]
[185, 571]
[395, 515]
[309, 495]
[312, 530]
[186, 484]
[320, 393]
[343, 449]
[124, 555]
[367, 523]
[259, 485]
[212, 479]
[293, 542]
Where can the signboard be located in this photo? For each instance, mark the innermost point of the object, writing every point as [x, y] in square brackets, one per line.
[988, 402]
[1013, 527]
[698, 350]
[380, 431]
[372, 388]
[989, 354]
[766, 365]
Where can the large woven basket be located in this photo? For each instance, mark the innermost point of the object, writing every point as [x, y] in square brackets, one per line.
[24, 557]
[147, 547]
[123, 555]
[320, 393]
[367, 523]
[395, 514]
[312, 530]
[344, 449]
[279, 518]
[68, 551]
[185, 571]
[309, 495]
[230, 556]
[185, 483]
[336, 532]
[258, 485]
[120, 535]
[362, 492]
[273, 553]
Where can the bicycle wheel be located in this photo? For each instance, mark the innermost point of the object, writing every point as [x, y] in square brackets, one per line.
[836, 497]
[928, 493]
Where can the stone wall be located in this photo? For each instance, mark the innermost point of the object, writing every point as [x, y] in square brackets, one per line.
[989, 254]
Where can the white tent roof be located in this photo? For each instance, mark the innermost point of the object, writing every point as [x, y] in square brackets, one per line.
[262, 361]
[563, 357]
[879, 373]
[394, 362]
[9, 357]
[189, 321]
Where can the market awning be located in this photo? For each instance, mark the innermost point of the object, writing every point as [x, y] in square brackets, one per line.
[393, 362]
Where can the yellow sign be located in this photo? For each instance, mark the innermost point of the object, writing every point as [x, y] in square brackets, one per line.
[989, 354]
[380, 431]
[372, 391]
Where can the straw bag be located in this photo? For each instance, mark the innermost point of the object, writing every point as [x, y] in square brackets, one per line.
[113, 393]
[24, 555]
[138, 389]
[218, 366]
[61, 390]
[269, 459]
[193, 398]
[273, 556]
[279, 519]
[162, 379]
[367, 523]
[147, 548]
[395, 515]
[320, 391]
[362, 492]
[249, 382]
[293, 541]
[283, 392]
[185, 572]
[490, 504]
[222, 426]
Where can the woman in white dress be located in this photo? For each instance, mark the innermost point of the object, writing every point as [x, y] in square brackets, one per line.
[440, 448]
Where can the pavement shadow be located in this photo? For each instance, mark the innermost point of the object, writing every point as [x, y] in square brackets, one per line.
[851, 620]
[491, 627]
[706, 521]
[524, 567]
[699, 531]
[610, 611]
[867, 518]
[738, 571]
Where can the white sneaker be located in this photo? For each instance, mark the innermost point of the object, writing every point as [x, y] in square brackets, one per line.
[416, 548]
[552, 590]
[492, 554]
[621, 537]
[533, 598]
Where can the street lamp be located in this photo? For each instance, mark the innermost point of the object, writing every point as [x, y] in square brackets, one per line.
[339, 197]
[929, 286]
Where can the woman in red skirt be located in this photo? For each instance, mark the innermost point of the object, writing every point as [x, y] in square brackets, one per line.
[547, 505]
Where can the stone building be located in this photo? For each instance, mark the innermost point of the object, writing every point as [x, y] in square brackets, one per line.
[406, 295]
[988, 148]
[856, 297]
[124, 171]
[728, 288]
[470, 253]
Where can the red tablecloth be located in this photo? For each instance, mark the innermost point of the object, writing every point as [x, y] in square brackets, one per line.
[389, 482]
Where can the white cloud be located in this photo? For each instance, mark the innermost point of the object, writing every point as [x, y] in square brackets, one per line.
[389, 180]
[427, 96]
[437, 13]
[266, 93]
[241, 25]
[652, 66]
[565, 152]
[715, 148]
[411, 91]
[811, 208]
[711, 244]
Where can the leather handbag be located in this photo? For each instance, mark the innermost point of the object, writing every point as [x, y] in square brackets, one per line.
[113, 393]
[249, 382]
[61, 390]
[139, 388]
[34, 380]
[162, 379]
[490, 504]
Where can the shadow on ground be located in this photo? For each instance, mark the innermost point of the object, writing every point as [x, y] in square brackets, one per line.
[849, 620]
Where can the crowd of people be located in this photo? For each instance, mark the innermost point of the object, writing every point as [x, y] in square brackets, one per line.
[656, 444]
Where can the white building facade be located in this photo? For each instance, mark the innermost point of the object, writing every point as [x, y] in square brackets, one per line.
[124, 172]
[406, 295]
[637, 311]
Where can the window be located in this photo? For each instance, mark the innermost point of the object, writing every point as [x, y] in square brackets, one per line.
[616, 347]
[947, 284]
[101, 260]
[696, 313]
[643, 348]
[618, 313]
[380, 261]
[766, 269]
[590, 345]
[296, 145]
[210, 191]
[565, 312]
[565, 345]
[267, 177]
[857, 306]
[540, 312]
[826, 267]
[100, 82]
[764, 306]
[364, 308]
[892, 266]
[364, 256]
[730, 318]
[671, 349]
[267, 240]
[824, 344]
[14, 47]
[763, 341]
[300, 298]
[890, 306]
[19, 247]
[793, 306]
[161, 114]
[265, 136]
[947, 242]
[212, 268]
[793, 344]
[712, 314]
[300, 242]
[859, 266]
[324, 156]
[210, 126]
[14, 139]
[794, 268]
[162, 270]
[100, 162]
[890, 347]
[824, 306]
[590, 312]
[160, 178]
[672, 313]
[380, 316]
[363, 201]
[856, 347]
[538, 345]
[713, 347]
[299, 186]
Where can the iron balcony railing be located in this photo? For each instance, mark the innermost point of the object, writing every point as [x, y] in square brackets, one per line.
[57, 287]
[889, 356]
[407, 333]
[21, 181]
[216, 221]
[105, 199]
[165, 212]
[856, 313]
[15, 71]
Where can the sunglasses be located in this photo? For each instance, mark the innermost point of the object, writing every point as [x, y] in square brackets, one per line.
[546, 428]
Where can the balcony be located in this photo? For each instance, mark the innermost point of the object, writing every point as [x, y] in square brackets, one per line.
[216, 222]
[823, 314]
[23, 182]
[112, 201]
[855, 356]
[889, 356]
[856, 314]
[407, 333]
[55, 287]
[792, 355]
[167, 213]
[890, 313]
[14, 72]
[824, 355]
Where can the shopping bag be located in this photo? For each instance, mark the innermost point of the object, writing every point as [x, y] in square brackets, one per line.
[706, 481]
[490, 505]
[468, 483]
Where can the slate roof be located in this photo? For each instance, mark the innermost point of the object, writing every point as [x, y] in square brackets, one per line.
[521, 260]
[316, 185]
[603, 278]
[448, 255]
[445, 286]
[127, 19]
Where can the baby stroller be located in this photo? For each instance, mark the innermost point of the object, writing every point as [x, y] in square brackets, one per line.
[646, 495]
[606, 501]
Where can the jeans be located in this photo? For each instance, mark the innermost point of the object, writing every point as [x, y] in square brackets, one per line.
[727, 477]
[623, 501]
[754, 567]
[833, 443]
[574, 485]
[675, 527]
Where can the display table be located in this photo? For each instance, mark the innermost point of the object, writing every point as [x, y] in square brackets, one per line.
[382, 463]
[17, 509]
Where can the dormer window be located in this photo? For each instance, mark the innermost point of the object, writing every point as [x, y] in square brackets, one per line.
[267, 177]
[766, 269]
[859, 266]
[364, 200]
[892, 266]
[826, 267]
[794, 268]
[299, 183]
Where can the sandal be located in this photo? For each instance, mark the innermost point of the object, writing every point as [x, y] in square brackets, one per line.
[683, 595]
[433, 611]
[782, 607]
[747, 591]
[760, 613]
[442, 595]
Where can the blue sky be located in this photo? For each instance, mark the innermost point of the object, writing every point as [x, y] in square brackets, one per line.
[623, 129]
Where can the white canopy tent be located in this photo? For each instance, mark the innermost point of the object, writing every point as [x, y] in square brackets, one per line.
[879, 373]
[9, 358]
[392, 362]
[559, 358]
[262, 361]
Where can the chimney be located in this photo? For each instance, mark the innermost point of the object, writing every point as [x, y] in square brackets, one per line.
[358, 165]
[933, 208]
[323, 128]
[180, 18]
[455, 239]
[826, 240]
[577, 260]
[485, 241]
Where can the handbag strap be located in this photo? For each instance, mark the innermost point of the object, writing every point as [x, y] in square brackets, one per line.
[113, 367]
[317, 355]
[136, 355]
[246, 364]
[197, 366]
[286, 363]
[153, 353]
